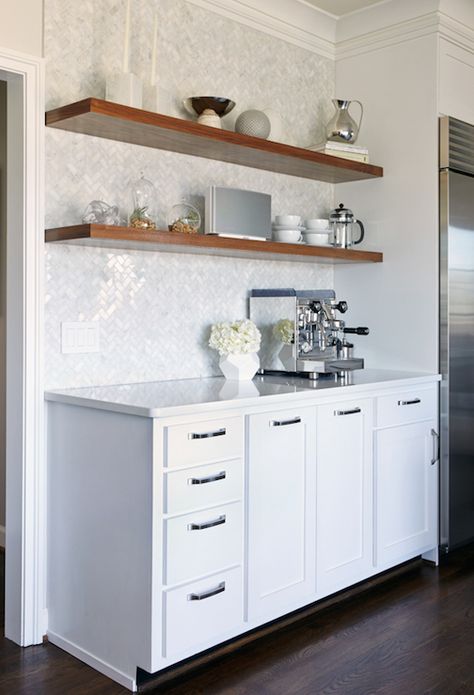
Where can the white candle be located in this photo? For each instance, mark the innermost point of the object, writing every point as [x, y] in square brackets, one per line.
[153, 53]
[126, 40]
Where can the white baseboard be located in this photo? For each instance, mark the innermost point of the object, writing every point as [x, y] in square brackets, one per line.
[99, 665]
[2, 536]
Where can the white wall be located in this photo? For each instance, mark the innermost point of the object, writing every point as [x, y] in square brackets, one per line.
[398, 299]
[456, 81]
[21, 25]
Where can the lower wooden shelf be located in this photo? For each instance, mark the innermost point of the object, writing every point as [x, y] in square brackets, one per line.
[130, 238]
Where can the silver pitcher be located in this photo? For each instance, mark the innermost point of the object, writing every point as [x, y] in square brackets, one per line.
[342, 127]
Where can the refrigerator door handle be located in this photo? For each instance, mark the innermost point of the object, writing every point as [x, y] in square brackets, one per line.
[435, 436]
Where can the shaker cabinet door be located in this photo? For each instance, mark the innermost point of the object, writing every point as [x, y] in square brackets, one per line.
[406, 491]
[281, 511]
[344, 494]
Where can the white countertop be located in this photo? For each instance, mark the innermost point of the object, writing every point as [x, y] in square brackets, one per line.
[187, 396]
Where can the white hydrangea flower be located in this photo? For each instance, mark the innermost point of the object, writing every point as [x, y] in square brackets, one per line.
[237, 338]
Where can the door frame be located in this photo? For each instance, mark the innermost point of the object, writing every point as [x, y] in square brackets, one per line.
[25, 571]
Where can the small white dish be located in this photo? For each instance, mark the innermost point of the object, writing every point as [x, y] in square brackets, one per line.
[317, 224]
[288, 220]
[290, 236]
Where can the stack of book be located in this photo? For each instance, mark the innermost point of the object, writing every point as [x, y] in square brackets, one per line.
[344, 150]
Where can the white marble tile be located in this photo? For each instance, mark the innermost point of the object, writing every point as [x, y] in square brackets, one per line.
[155, 309]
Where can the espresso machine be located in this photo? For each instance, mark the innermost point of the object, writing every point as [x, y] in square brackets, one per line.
[303, 332]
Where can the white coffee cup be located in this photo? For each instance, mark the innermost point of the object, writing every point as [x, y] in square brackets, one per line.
[290, 236]
[288, 220]
[316, 224]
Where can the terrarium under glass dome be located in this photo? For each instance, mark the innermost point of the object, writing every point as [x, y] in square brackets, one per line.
[143, 195]
[184, 218]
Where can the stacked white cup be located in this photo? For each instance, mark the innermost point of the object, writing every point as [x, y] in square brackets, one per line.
[287, 228]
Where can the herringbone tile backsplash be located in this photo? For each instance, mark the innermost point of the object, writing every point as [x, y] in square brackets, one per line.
[155, 309]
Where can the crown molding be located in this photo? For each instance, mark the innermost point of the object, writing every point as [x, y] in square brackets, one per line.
[300, 24]
[405, 30]
[303, 25]
[365, 39]
[456, 32]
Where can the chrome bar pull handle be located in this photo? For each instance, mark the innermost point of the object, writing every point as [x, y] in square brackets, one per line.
[353, 411]
[284, 423]
[207, 524]
[207, 594]
[435, 436]
[207, 435]
[415, 401]
[207, 479]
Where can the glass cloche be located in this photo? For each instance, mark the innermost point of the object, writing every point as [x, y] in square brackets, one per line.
[143, 195]
[184, 218]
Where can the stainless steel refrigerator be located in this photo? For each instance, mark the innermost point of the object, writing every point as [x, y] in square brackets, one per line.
[456, 332]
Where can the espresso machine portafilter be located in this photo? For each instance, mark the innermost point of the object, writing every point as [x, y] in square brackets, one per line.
[303, 332]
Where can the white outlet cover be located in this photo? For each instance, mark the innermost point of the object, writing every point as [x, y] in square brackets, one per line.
[79, 336]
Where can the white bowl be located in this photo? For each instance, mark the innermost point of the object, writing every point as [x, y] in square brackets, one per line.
[288, 220]
[317, 224]
[290, 236]
[316, 238]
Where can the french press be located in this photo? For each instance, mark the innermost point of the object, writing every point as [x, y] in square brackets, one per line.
[341, 220]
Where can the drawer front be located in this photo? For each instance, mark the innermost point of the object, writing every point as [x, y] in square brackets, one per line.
[200, 442]
[407, 406]
[203, 613]
[203, 542]
[203, 486]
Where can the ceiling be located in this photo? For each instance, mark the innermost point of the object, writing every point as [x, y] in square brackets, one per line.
[341, 7]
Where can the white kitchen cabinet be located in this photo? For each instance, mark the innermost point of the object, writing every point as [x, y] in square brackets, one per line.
[344, 494]
[406, 491]
[281, 510]
[192, 525]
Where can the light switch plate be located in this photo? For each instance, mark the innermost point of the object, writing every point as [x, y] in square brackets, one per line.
[79, 336]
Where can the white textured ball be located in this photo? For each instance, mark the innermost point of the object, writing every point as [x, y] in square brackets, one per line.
[254, 123]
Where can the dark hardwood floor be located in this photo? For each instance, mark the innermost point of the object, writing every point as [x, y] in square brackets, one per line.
[412, 635]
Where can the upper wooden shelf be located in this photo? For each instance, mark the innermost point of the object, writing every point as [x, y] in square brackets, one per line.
[129, 238]
[106, 119]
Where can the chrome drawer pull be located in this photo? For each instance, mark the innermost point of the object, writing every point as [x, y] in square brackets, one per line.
[207, 594]
[207, 479]
[435, 436]
[207, 524]
[283, 423]
[354, 411]
[413, 402]
[207, 435]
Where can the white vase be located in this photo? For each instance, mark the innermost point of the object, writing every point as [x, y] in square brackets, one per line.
[239, 367]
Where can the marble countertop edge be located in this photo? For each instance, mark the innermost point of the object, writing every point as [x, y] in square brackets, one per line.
[161, 399]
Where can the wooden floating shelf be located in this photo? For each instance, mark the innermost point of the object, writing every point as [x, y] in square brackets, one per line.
[130, 238]
[112, 121]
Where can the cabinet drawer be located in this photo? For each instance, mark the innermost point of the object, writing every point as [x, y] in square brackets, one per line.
[203, 486]
[203, 613]
[203, 542]
[407, 406]
[200, 442]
